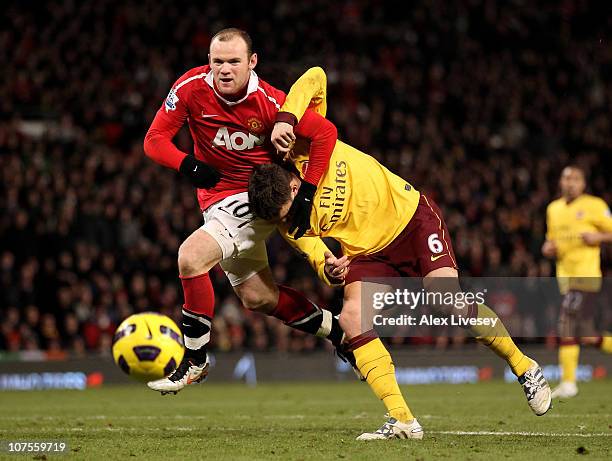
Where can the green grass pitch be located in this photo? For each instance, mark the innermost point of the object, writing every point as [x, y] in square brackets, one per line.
[307, 421]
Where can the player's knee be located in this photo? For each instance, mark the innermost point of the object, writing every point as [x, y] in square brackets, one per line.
[567, 325]
[188, 261]
[343, 320]
[350, 321]
[439, 284]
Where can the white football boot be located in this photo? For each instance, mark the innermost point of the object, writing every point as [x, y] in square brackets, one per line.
[394, 429]
[188, 372]
[565, 390]
[537, 390]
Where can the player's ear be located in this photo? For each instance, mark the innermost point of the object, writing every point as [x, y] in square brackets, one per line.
[294, 189]
[253, 61]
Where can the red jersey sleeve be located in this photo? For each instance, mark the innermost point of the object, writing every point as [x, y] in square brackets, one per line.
[169, 119]
[322, 135]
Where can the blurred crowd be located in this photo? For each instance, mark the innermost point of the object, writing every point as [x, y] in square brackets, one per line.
[477, 103]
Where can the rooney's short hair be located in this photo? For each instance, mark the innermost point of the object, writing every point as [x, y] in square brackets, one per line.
[226, 35]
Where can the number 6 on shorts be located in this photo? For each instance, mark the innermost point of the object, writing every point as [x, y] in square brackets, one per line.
[434, 243]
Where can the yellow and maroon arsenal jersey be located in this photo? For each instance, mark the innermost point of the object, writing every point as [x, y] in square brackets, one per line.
[578, 264]
[358, 202]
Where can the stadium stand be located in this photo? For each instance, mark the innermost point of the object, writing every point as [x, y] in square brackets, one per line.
[480, 104]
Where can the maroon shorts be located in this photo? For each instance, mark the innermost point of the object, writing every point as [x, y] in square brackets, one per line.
[579, 303]
[423, 245]
[577, 317]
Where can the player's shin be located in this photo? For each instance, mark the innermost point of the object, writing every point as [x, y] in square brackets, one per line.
[198, 311]
[197, 314]
[569, 353]
[298, 312]
[375, 364]
[605, 343]
[495, 336]
[491, 332]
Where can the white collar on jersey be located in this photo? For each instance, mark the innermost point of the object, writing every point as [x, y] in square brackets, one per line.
[252, 87]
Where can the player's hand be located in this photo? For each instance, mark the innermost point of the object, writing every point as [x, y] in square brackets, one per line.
[301, 208]
[336, 268]
[283, 137]
[201, 175]
[591, 238]
[549, 249]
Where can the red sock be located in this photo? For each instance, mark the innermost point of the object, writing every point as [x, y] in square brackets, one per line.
[199, 294]
[297, 311]
[292, 305]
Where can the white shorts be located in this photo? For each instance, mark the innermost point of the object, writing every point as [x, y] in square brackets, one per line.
[241, 236]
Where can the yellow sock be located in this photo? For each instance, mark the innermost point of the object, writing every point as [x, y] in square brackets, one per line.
[499, 341]
[606, 343]
[568, 359]
[374, 362]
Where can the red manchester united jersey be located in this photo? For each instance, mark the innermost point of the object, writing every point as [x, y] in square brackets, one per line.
[232, 136]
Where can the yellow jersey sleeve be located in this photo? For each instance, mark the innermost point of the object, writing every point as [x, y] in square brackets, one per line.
[309, 91]
[313, 249]
[602, 219]
[549, 233]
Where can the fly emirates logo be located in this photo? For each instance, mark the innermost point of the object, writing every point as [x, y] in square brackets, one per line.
[237, 140]
[333, 198]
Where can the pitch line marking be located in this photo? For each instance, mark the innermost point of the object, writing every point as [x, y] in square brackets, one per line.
[270, 416]
[195, 428]
[528, 434]
[554, 415]
[280, 415]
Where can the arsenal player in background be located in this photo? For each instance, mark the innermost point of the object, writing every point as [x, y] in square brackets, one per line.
[577, 224]
[231, 112]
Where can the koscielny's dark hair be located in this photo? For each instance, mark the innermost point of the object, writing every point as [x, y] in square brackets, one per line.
[269, 190]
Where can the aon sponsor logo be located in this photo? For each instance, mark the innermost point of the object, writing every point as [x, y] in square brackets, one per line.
[237, 140]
